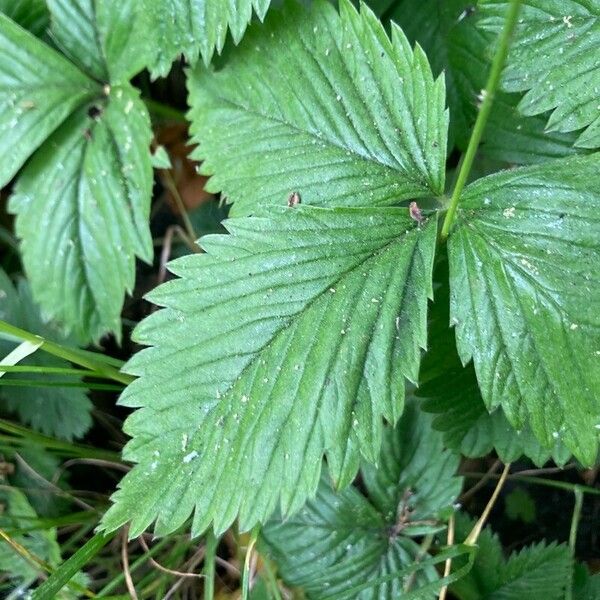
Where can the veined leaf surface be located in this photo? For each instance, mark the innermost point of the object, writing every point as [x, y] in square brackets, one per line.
[323, 104]
[524, 272]
[289, 340]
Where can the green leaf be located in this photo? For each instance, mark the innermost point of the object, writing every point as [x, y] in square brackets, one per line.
[103, 37]
[585, 586]
[17, 513]
[323, 104]
[192, 27]
[88, 187]
[450, 392]
[288, 340]
[94, 214]
[538, 572]
[520, 506]
[61, 412]
[524, 297]
[38, 89]
[339, 541]
[30, 14]
[554, 57]
[455, 46]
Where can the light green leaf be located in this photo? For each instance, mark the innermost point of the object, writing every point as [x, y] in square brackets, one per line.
[288, 340]
[538, 572]
[342, 540]
[192, 27]
[555, 56]
[29, 14]
[60, 412]
[450, 392]
[524, 266]
[323, 104]
[454, 45]
[105, 38]
[97, 178]
[38, 89]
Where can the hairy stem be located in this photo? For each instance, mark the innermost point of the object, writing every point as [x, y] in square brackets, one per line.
[488, 94]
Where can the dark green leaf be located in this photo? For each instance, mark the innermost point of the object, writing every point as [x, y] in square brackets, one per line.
[323, 104]
[451, 393]
[538, 572]
[29, 14]
[288, 340]
[339, 541]
[524, 275]
[60, 412]
[192, 27]
[555, 56]
[103, 37]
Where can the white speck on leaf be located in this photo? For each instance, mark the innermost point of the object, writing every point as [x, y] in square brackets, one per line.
[190, 457]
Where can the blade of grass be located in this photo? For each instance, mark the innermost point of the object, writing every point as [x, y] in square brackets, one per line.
[18, 354]
[107, 387]
[52, 371]
[74, 356]
[63, 575]
[26, 437]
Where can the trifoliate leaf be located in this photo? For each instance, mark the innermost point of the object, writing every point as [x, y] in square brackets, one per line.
[323, 104]
[524, 266]
[83, 199]
[554, 56]
[29, 14]
[451, 393]
[39, 88]
[454, 45]
[288, 340]
[63, 412]
[192, 27]
[104, 38]
[339, 541]
[538, 572]
[97, 178]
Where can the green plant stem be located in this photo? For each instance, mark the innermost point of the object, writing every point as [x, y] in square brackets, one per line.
[26, 437]
[63, 575]
[52, 371]
[488, 94]
[66, 353]
[60, 384]
[209, 564]
[578, 492]
[561, 485]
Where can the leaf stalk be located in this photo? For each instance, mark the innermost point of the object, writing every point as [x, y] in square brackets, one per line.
[487, 100]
